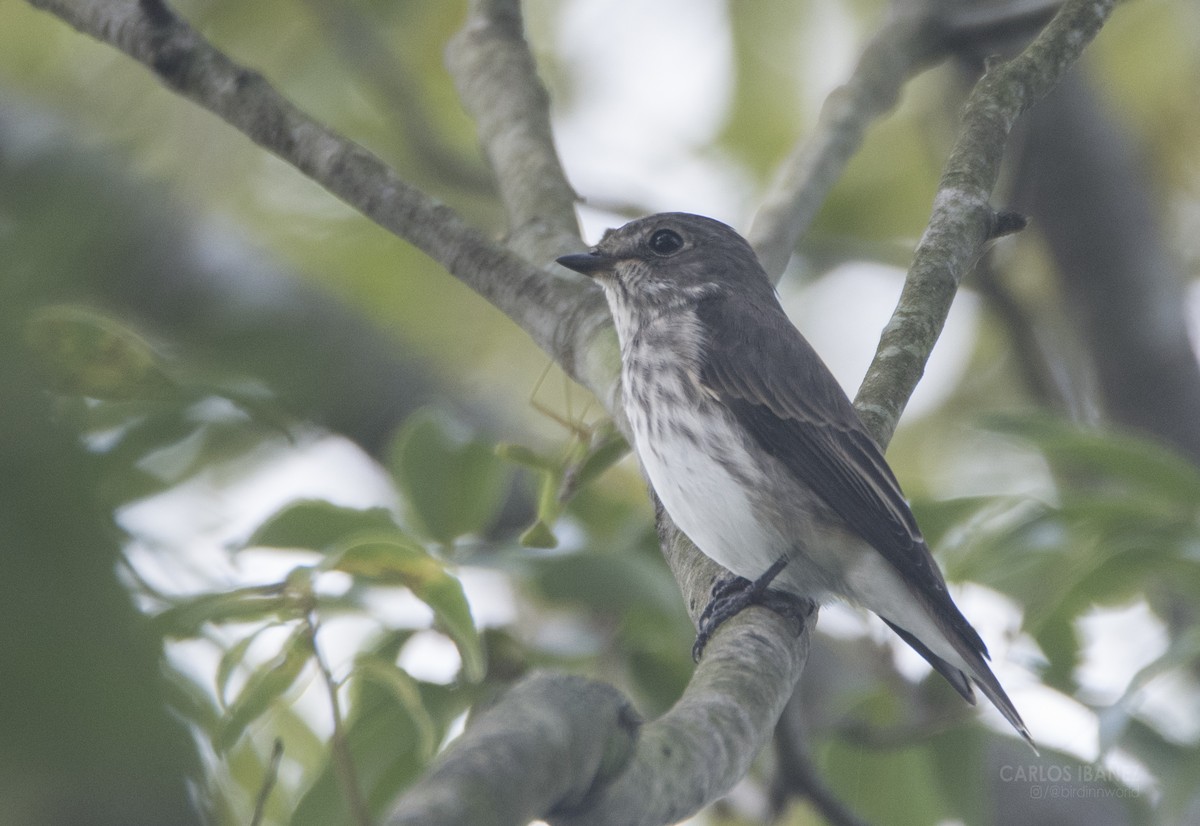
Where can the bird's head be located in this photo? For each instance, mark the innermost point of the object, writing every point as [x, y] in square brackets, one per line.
[669, 259]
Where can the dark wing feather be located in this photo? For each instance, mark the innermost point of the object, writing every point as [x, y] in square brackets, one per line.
[772, 380]
[776, 385]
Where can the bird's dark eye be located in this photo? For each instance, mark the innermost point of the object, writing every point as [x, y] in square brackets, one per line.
[666, 242]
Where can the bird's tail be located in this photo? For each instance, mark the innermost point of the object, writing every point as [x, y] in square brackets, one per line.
[974, 656]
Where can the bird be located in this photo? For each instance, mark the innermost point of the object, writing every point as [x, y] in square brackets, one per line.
[756, 452]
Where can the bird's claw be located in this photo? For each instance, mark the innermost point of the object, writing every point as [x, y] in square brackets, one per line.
[731, 595]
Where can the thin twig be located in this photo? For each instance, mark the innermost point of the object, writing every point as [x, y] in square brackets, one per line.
[343, 760]
[798, 775]
[914, 38]
[264, 792]
[904, 46]
[962, 221]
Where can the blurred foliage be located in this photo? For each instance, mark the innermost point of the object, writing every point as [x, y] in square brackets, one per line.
[149, 349]
[152, 426]
[588, 453]
[454, 485]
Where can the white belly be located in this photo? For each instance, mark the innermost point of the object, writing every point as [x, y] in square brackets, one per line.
[704, 498]
[711, 487]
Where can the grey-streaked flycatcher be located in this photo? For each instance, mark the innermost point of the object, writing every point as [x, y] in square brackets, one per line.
[756, 452]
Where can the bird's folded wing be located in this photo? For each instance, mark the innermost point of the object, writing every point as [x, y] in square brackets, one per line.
[778, 388]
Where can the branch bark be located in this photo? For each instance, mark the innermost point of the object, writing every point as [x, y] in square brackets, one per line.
[542, 747]
[728, 711]
[916, 36]
[562, 314]
[962, 221]
[498, 82]
[705, 743]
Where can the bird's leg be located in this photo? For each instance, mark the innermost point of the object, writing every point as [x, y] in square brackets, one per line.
[733, 594]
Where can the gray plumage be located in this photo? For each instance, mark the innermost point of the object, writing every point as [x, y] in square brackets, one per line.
[753, 448]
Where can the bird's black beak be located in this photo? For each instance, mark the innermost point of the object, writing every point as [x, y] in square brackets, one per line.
[587, 263]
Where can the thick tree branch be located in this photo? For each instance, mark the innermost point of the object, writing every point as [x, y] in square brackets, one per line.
[709, 734]
[498, 81]
[561, 314]
[728, 711]
[962, 221]
[544, 746]
[570, 750]
[699, 749]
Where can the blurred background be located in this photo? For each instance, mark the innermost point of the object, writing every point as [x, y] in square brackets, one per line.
[278, 496]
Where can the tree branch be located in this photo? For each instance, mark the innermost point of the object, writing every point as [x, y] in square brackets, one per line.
[728, 710]
[699, 749]
[498, 82]
[562, 314]
[962, 221]
[916, 36]
[905, 45]
[499, 85]
[544, 745]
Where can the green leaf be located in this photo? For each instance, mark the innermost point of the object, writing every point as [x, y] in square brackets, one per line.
[393, 560]
[1174, 766]
[387, 560]
[522, 455]
[454, 484]
[1182, 653]
[608, 448]
[232, 658]
[942, 520]
[241, 605]
[1057, 638]
[445, 596]
[407, 692]
[191, 700]
[609, 583]
[386, 746]
[539, 535]
[319, 525]
[265, 686]
[87, 353]
[1108, 457]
